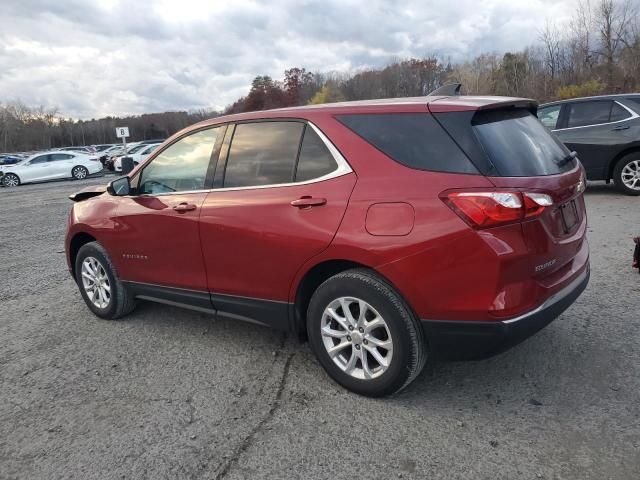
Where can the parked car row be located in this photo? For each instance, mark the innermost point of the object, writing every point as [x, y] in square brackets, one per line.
[70, 162]
[54, 164]
[11, 158]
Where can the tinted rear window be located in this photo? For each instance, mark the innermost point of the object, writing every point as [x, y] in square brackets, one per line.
[412, 139]
[518, 144]
[263, 153]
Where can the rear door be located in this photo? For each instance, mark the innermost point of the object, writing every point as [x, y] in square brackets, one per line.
[61, 165]
[597, 131]
[282, 190]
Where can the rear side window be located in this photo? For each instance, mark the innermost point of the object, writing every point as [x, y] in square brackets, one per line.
[618, 113]
[61, 156]
[412, 139]
[518, 145]
[263, 153]
[582, 114]
[315, 159]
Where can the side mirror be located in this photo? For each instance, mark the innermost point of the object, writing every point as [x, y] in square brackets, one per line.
[119, 187]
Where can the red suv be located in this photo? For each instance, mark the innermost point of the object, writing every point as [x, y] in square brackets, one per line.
[388, 232]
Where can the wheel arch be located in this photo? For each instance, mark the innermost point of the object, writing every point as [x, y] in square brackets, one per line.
[312, 279]
[618, 157]
[77, 241]
[14, 174]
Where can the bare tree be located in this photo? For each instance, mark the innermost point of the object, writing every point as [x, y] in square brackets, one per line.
[612, 20]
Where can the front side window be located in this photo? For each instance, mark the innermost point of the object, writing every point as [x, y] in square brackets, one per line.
[315, 159]
[582, 114]
[263, 153]
[182, 166]
[40, 159]
[549, 116]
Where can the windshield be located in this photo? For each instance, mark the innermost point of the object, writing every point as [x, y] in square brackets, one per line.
[519, 145]
[135, 148]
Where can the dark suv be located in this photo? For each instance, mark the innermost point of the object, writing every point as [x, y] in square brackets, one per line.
[390, 232]
[605, 132]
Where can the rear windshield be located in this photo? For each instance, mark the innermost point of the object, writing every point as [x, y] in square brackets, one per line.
[413, 139]
[518, 145]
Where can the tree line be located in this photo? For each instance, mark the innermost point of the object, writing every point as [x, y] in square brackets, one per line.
[597, 53]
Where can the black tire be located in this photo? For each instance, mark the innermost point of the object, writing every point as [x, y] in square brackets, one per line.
[10, 180]
[121, 302]
[409, 345]
[79, 172]
[617, 173]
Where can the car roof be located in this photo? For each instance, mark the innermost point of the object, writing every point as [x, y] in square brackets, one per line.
[48, 152]
[382, 105]
[612, 96]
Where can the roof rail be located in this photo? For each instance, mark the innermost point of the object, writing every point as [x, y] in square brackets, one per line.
[448, 90]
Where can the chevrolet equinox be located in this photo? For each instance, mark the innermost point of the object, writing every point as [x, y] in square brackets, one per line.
[387, 232]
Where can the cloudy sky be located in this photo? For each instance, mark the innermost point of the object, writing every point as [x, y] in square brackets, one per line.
[105, 57]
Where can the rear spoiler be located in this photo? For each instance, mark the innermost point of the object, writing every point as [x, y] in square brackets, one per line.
[449, 99]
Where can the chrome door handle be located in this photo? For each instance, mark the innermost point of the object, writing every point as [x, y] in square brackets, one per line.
[184, 207]
[308, 202]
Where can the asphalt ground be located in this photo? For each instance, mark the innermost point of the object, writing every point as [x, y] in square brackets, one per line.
[169, 393]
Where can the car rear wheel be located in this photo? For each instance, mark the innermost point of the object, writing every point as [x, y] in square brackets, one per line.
[100, 287]
[79, 172]
[626, 174]
[10, 180]
[364, 334]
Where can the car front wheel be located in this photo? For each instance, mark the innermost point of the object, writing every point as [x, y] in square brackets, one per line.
[626, 174]
[10, 180]
[364, 334]
[100, 287]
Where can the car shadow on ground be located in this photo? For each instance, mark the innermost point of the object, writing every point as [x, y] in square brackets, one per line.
[519, 376]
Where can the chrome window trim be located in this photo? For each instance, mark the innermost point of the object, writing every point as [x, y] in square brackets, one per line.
[343, 168]
[633, 115]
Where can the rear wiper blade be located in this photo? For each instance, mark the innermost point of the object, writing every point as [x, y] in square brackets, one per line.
[571, 156]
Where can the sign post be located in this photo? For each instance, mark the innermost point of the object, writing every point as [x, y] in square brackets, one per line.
[123, 132]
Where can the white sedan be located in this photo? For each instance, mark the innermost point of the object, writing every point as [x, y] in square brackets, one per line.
[50, 166]
[137, 157]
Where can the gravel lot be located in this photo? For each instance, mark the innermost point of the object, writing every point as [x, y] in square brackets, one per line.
[168, 393]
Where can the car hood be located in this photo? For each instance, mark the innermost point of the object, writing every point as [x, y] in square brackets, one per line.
[88, 192]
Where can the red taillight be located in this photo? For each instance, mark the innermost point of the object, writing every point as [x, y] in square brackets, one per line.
[488, 209]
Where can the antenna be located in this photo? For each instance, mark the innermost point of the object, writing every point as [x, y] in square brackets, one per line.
[448, 90]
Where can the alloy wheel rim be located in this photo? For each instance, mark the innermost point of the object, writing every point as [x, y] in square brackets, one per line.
[631, 175]
[11, 180]
[95, 282]
[357, 338]
[79, 172]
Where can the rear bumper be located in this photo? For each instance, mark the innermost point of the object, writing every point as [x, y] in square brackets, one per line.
[468, 340]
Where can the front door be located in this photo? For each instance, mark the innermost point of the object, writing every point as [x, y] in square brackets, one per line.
[39, 168]
[159, 241]
[274, 210]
